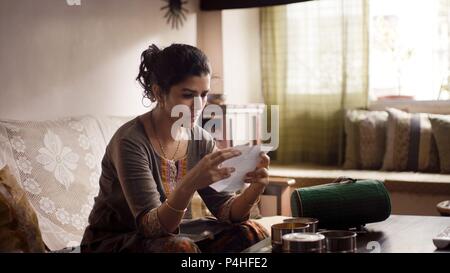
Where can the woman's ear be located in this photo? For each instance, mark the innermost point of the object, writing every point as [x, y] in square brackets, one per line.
[158, 94]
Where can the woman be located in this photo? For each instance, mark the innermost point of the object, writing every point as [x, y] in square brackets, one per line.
[150, 171]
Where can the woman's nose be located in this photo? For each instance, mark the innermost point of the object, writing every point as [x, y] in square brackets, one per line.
[198, 102]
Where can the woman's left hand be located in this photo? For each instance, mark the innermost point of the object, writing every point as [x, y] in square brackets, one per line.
[261, 174]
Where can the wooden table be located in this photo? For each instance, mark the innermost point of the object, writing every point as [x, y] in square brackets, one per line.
[399, 233]
[279, 187]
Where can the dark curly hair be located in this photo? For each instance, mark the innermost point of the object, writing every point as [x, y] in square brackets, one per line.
[170, 66]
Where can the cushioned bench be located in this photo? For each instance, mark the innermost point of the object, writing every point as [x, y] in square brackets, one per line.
[411, 193]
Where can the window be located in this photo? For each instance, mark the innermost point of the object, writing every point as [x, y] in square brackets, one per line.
[408, 52]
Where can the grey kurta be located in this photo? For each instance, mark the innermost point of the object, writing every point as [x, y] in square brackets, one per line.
[131, 186]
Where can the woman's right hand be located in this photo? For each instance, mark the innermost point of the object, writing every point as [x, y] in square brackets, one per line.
[208, 171]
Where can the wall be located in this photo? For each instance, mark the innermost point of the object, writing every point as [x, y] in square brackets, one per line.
[209, 40]
[241, 56]
[58, 60]
[231, 40]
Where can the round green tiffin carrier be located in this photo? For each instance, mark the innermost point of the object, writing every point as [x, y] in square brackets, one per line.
[347, 204]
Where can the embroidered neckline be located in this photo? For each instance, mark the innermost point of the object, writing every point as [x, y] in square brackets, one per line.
[171, 173]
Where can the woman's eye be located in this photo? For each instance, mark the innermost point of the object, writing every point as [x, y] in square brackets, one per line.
[188, 96]
[204, 95]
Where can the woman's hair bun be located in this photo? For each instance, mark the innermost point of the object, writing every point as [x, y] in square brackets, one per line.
[170, 66]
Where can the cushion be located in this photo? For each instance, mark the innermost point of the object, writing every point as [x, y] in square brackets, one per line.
[58, 165]
[441, 132]
[19, 228]
[410, 144]
[365, 139]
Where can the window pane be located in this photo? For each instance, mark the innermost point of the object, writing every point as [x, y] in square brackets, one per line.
[408, 48]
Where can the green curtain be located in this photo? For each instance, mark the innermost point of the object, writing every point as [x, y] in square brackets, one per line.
[314, 65]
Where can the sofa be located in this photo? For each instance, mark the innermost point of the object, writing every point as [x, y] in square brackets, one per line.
[57, 164]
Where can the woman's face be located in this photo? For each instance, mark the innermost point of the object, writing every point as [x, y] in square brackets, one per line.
[192, 92]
